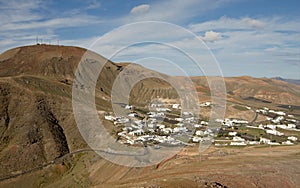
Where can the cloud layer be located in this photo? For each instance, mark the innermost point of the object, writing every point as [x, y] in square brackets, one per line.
[243, 44]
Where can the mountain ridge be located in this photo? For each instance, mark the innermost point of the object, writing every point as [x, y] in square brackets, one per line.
[291, 81]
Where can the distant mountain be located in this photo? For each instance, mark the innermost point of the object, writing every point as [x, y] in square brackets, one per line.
[242, 89]
[291, 81]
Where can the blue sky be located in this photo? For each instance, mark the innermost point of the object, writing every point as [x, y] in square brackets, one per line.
[247, 37]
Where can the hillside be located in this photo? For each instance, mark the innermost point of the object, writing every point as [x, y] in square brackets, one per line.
[36, 119]
[37, 123]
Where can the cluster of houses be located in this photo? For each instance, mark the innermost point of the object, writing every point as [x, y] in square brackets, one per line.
[152, 129]
[238, 141]
[274, 120]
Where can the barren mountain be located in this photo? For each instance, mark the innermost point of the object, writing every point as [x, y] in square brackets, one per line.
[262, 89]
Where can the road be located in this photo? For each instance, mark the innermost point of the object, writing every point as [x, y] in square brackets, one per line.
[59, 159]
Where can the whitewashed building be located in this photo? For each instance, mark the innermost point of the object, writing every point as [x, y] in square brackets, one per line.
[292, 138]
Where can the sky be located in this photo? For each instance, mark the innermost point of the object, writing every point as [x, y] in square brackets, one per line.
[193, 37]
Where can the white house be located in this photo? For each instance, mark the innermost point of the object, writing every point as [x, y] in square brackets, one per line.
[281, 113]
[121, 120]
[291, 126]
[219, 144]
[277, 112]
[274, 143]
[180, 129]
[180, 124]
[167, 130]
[238, 139]
[187, 113]
[197, 125]
[128, 107]
[292, 120]
[110, 118]
[274, 132]
[163, 110]
[151, 125]
[204, 123]
[278, 119]
[232, 133]
[156, 114]
[175, 106]
[262, 111]
[238, 144]
[123, 133]
[127, 128]
[292, 138]
[271, 126]
[227, 122]
[288, 142]
[199, 133]
[264, 140]
[190, 119]
[131, 142]
[179, 119]
[238, 121]
[132, 115]
[196, 139]
[282, 126]
[253, 142]
[136, 132]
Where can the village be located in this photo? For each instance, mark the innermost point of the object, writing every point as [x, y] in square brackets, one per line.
[165, 125]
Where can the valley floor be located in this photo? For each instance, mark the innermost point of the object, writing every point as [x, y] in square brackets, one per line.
[257, 166]
[230, 167]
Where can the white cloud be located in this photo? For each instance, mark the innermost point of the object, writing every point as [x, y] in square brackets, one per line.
[175, 11]
[226, 23]
[22, 21]
[51, 23]
[243, 46]
[19, 11]
[253, 22]
[266, 24]
[140, 9]
[211, 36]
[27, 19]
